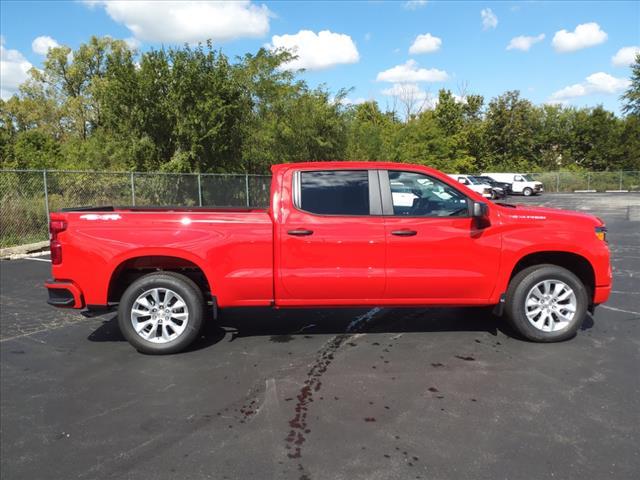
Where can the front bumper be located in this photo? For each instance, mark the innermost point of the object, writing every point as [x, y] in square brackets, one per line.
[64, 294]
[601, 294]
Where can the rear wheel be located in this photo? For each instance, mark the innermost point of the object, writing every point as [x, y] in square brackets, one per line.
[546, 303]
[161, 313]
[527, 192]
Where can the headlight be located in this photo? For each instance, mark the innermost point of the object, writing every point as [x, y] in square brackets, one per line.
[601, 233]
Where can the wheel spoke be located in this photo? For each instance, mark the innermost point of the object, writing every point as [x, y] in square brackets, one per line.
[177, 305]
[534, 313]
[142, 325]
[143, 302]
[148, 334]
[177, 327]
[155, 296]
[166, 336]
[532, 302]
[168, 296]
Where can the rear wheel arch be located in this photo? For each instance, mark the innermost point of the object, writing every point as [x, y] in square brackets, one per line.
[129, 270]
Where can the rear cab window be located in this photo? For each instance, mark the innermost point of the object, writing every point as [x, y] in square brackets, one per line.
[334, 192]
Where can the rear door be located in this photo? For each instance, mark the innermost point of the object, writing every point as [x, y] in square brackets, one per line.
[435, 250]
[332, 240]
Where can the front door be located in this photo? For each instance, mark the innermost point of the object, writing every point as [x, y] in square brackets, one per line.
[332, 245]
[435, 250]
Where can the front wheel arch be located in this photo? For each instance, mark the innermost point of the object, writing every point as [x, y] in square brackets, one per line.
[575, 263]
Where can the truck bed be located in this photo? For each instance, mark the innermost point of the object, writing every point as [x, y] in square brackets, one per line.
[234, 245]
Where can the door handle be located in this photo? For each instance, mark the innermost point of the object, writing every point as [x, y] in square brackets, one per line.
[404, 233]
[300, 232]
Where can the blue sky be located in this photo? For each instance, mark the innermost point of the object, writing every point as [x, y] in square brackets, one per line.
[571, 52]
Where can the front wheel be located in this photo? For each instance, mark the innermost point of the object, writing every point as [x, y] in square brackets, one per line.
[527, 192]
[161, 313]
[546, 303]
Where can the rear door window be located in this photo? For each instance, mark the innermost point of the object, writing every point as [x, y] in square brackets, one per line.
[335, 192]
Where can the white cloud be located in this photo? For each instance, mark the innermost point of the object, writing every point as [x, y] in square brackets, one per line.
[625, 57]
[409, 72]
[599, 82]
[188, 21]
[405, 89]
[133, 43]
[317, 51]
[14, 70]
[425, 43]
[489, 19]
[524, 42]
[585, 35]
[41, 45]
[411, 96]
[352, 101]
[415, 4]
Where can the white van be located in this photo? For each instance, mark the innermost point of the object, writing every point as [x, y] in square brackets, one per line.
[483, 189]
[520, 182]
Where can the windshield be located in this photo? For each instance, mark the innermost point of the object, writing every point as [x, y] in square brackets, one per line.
[481, 180]
[528, 178]
[474, 180]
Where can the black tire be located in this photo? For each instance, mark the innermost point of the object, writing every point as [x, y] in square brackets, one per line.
[494, 195]
[527, 192]
[518, 290]
[180, 284]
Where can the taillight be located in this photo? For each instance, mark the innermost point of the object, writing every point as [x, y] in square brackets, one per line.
[55, 227]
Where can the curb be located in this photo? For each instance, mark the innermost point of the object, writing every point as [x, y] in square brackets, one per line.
[21, 251]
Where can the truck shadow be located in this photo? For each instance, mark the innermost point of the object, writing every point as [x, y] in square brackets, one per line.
[282, 326]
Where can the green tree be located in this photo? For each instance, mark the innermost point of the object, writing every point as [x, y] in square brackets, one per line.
[631, 98]
[511, 124]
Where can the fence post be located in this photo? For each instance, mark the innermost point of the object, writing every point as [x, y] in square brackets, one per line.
[46, 194]
[557, 182]
[133, 191]
[620, 187]
[588, 180]
[246, 186]
[199, 190]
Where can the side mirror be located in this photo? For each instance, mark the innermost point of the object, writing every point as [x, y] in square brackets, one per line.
[480, 210]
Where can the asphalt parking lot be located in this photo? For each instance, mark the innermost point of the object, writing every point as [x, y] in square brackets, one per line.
[327, 394]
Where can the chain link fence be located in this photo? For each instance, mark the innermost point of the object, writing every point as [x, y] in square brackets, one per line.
[27, 196]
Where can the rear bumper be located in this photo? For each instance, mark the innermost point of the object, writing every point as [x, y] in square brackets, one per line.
[64, 294]
[601, 294]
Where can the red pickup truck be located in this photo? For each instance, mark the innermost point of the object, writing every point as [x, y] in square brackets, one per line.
[335, 234]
